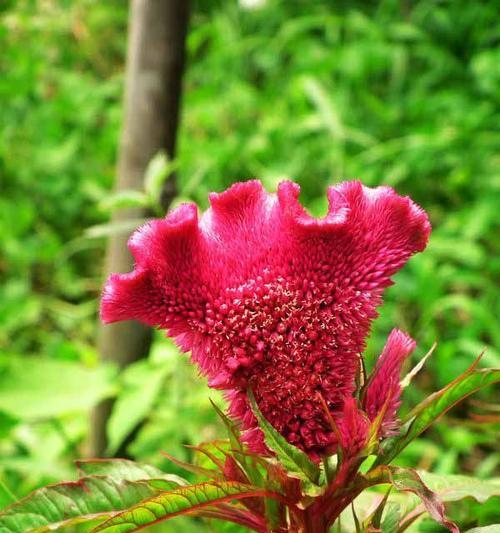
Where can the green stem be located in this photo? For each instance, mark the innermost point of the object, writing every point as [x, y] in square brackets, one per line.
[326, 466]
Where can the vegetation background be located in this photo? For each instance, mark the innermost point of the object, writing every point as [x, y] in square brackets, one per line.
[392, 92]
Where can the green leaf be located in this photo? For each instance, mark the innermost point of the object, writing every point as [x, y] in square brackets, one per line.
[232, 430]
[493, 528]
[180, 501]
[92, 498]
[114, 228]
[6, 495]
[123, 469]
[392, 515]
[376, 518]
[157, 171]
[451, 488]
[372, 520]
[123, 199]
[195, 469]
[7, 422]
[448, 488]
[273, 512]
[408, 480]
[42, 388]
[436, 405]
[295, 461]
[141, 385]
[355, 518]
[240, 455]
[211, 455]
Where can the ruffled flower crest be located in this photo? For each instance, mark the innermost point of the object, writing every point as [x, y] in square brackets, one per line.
[266, 296]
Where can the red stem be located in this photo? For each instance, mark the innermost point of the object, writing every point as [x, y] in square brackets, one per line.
[315, 522]
[243, 519]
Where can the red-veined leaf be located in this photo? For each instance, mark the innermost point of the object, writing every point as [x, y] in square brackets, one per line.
[195, 469]
[107, 486]
[408, 480]
[210, 454]
[123, 469]
[180, 501]
[217, 455]
[92, 498]
[450, 488]
[237, 516]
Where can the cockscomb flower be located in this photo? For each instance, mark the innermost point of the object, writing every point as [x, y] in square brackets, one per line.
[269, 298]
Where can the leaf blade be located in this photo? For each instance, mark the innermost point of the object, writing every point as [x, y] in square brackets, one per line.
[57, 382]
[451, 488]
[124, 469]
[293, 459]
[141, 385]
[177, 502]
[435, 406]
[91, 498]
[408, 480]
[105, 487]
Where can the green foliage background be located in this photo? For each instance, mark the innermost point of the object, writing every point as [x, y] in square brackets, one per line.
[392, 92]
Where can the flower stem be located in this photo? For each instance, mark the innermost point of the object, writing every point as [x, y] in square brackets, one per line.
[326, 466]
[314, 522]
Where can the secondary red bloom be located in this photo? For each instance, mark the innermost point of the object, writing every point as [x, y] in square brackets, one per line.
[353, 427]
[383, 391]
[266, 296]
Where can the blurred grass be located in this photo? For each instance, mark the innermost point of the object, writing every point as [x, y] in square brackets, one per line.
[392, 92]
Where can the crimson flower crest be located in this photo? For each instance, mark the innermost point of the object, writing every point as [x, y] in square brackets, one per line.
[268, 298]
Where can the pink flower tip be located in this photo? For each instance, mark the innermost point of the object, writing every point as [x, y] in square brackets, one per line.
[383, 391]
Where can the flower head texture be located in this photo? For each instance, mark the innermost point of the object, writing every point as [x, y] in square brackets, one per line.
[269, 298]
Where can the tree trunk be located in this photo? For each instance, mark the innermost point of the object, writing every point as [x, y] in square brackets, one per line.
[155, 63]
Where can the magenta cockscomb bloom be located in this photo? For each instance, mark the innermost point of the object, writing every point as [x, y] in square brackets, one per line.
[269, 298]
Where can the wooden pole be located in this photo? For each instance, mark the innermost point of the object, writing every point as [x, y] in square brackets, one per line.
[155, 64]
